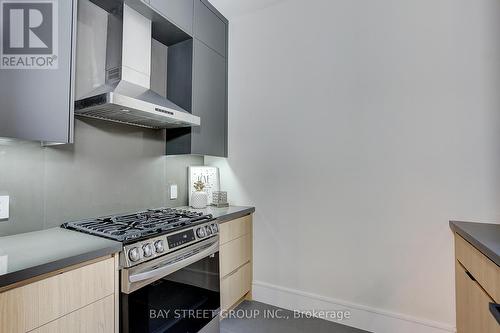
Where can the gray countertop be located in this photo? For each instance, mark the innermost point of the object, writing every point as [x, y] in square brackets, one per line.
[224, 214]
[31, 254]
[484, 237]
[27, 255]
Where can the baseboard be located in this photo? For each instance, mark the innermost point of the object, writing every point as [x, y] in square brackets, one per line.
[362, 317]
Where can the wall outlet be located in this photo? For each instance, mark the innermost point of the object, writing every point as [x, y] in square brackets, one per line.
[173, 191]
[4, 207]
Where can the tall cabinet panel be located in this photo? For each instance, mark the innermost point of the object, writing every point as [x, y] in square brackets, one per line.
[209, 101]
[210, 26]
[179, 12]
[209, 82]
[36, 75]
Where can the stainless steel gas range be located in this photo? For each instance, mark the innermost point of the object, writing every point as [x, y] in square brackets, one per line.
[169, 269]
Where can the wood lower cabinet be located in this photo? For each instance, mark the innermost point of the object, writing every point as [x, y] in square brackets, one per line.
[473, 313]
[97, 317]
[80, 299]
[477, 282]
[235, 254]
[235, 286]
[485, 271]
[236, 261]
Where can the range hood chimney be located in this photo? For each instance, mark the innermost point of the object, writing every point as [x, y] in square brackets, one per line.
[114, 71]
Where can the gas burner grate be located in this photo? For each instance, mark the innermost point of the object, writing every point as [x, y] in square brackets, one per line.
[142, 224]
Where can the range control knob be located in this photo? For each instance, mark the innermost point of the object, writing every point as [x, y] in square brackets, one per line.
[215, 228]
[148, 250]
[159, 246]
[134, 254]
[201, 232]
[209, 230]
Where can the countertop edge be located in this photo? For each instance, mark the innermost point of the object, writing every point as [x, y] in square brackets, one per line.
[32, 272]
[236, 215]
[455, 227]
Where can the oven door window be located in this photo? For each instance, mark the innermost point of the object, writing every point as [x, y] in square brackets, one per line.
[182, 302]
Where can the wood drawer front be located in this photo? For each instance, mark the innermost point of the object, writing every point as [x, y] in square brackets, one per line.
[97, 317]
[38, 303]
[235, 254]
[235, 286]
[485, 271]
[235, 229]
[473, 315]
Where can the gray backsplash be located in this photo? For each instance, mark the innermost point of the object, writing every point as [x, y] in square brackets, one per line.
[177, 174]
[111, 168]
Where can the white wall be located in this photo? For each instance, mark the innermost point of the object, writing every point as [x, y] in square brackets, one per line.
[358, 128]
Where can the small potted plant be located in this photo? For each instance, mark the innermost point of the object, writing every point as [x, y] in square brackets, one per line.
[199, 198]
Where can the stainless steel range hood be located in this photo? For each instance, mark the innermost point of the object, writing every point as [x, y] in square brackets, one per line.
[114, 68]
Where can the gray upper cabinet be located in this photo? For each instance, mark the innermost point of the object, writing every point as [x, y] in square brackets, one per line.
[179, 12]
[209, 86]
[209, 102]
[209, 26]
[37, 103]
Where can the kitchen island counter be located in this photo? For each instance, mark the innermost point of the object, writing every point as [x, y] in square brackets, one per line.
[484, 237]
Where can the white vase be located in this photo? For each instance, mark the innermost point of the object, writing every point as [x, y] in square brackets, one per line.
[199, 200]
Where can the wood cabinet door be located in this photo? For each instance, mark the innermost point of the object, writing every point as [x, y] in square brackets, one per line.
[473, 314]
[41, 302]
[97, 317]
[235, 286]
[235, 260]
[235, 254]
[235, 229]
[485, 271]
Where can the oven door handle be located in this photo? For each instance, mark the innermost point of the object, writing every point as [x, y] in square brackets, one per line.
[174, 265]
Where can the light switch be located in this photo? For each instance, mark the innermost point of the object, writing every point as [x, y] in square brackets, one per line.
[4, 207]
[173, 191]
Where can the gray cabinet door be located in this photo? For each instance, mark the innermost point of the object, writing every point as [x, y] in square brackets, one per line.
[37, 104]
[209, 102]
[209, 27]
[179, 12]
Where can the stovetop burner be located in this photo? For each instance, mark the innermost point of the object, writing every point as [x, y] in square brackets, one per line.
[136, 226]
